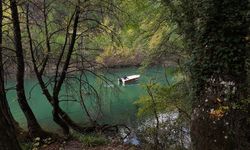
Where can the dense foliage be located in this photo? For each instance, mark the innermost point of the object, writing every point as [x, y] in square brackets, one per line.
[216, 34]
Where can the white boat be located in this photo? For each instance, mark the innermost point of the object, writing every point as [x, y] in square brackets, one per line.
[128, 79]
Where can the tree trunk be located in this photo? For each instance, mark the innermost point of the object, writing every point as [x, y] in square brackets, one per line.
[57, 87]
[34, 128]
[58, 114]
[219, 76]
[8, 140]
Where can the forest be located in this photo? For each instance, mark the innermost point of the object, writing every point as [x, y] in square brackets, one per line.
[124, 74]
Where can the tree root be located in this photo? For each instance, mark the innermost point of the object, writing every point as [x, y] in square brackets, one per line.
[94, 128]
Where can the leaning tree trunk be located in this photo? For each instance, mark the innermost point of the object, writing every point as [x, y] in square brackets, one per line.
[59, 116]
[219, 75]
[58, 84]
[4, 102]
[33, 126]
[8, 140]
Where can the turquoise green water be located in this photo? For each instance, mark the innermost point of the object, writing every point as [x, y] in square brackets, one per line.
[115, 103]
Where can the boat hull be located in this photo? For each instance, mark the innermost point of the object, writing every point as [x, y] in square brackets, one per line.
[129, 79]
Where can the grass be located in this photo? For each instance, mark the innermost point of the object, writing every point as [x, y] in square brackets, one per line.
[92, 140]
[26, 146]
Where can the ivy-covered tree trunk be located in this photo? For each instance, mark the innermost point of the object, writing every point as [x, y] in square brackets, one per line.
[219, 119]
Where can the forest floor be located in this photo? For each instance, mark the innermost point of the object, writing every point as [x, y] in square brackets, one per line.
[85, 142]
[77, 145]
[75, 141]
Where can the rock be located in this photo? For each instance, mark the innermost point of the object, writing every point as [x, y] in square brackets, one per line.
[45, 145]
[37, 139]
[36, 144]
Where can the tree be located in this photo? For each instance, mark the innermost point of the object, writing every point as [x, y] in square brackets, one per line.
[8, 140]
[59, 116]
[35, 129]
[215, 34]
[78, 24]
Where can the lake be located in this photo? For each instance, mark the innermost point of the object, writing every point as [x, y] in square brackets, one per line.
[114, 105]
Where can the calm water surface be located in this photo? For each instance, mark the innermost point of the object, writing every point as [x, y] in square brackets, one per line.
[116, 102]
